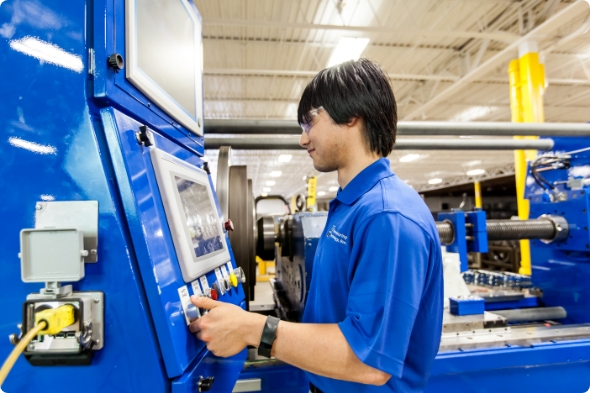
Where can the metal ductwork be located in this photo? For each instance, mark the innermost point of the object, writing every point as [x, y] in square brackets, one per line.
[292, 143]
[290, 127]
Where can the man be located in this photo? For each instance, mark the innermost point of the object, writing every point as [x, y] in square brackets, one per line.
[372, 320]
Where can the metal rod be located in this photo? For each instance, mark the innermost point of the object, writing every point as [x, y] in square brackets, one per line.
[532, 314]
[290, 127]
[292, 143]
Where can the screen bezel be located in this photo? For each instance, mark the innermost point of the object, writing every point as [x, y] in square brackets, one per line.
[149, 87]
[166, 167]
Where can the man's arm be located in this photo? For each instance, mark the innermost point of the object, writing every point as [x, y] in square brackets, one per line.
[318, 348]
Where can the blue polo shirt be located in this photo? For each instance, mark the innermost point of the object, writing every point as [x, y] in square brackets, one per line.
[377, 273]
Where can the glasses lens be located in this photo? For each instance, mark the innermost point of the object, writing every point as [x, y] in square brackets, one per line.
[306, 127]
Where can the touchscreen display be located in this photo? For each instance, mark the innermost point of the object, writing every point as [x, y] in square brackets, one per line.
[203, 227]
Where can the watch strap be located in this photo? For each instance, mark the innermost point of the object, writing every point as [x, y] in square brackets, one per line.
[269, 334]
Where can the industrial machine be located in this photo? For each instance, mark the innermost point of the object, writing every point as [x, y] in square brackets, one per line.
[110, 221]
[529, 333]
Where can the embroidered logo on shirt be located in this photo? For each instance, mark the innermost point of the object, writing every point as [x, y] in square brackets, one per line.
[336, 236]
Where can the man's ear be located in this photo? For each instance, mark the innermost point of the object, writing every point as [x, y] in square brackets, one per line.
[354, 121]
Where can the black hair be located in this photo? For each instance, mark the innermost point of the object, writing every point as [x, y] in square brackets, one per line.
[356, 88]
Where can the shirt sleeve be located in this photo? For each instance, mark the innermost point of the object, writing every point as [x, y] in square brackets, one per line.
[391, 255]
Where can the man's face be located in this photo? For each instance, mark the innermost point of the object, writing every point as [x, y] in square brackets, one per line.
[324, 142]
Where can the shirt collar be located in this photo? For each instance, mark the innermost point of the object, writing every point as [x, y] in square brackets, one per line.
[364, 181]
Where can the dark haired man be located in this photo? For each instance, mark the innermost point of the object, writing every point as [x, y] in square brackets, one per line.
[373, 316]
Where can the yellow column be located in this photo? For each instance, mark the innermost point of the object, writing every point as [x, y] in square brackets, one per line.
[527, 85]
[477, 189]
[312, 183]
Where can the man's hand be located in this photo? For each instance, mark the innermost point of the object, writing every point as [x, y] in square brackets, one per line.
[226, 328]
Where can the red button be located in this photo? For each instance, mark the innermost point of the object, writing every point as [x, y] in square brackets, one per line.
[214, 294]
[229, 226]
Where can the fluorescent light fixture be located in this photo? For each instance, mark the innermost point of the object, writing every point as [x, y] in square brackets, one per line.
[321, 193]
[475, 172]
[275, 173]
[475, 112]
[285, 157]
[31, 146]
[434, 181]
[333, 189]
[348, 48]
[409, 157]
[48, 52]
[271, 183]
[266, 189]
[472, 163]
[264, 194]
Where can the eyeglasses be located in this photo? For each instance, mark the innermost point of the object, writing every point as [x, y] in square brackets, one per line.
[306, 127]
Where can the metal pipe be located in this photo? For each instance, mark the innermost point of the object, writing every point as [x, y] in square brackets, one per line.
[532, 314]
[292, 143]
[290, 127]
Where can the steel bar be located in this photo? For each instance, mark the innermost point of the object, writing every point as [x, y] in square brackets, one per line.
[290, 127]
[520, 229]
[541, 228]
[446, 232]
[532, 314]
[292, 143]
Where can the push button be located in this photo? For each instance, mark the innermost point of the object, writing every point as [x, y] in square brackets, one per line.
[233, 280]
[214, 294]
[239, 274]
[192, 312]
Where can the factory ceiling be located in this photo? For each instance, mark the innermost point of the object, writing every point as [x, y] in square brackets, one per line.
[447, 61]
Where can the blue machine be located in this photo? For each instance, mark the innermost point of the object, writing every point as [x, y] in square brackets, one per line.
[102, 124]
[480, 353]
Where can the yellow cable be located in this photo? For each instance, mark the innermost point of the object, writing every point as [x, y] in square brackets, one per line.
[7, 366]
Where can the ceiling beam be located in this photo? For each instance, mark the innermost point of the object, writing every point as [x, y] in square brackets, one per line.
[545, 29]
[492, 35]
[491, 173]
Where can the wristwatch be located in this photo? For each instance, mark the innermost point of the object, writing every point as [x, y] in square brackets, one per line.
[269, 334]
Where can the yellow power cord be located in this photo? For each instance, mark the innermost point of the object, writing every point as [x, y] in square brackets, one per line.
[51, 321]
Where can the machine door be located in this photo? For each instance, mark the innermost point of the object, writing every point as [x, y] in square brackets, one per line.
[176, 229]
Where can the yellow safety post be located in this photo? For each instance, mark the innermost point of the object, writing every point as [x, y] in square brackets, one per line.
[477, 189]
[527, 85]
[312, 183]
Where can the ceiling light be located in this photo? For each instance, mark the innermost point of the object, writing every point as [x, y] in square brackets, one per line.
[285, 157]
[434, 181]
[275, 173]
[475, 112]
[264, 194]
[409, 157]
[266, 189]
[348, 48]
[321, 193]
[472, 163]
[333, 189]
[475, 172]
[271, 183]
